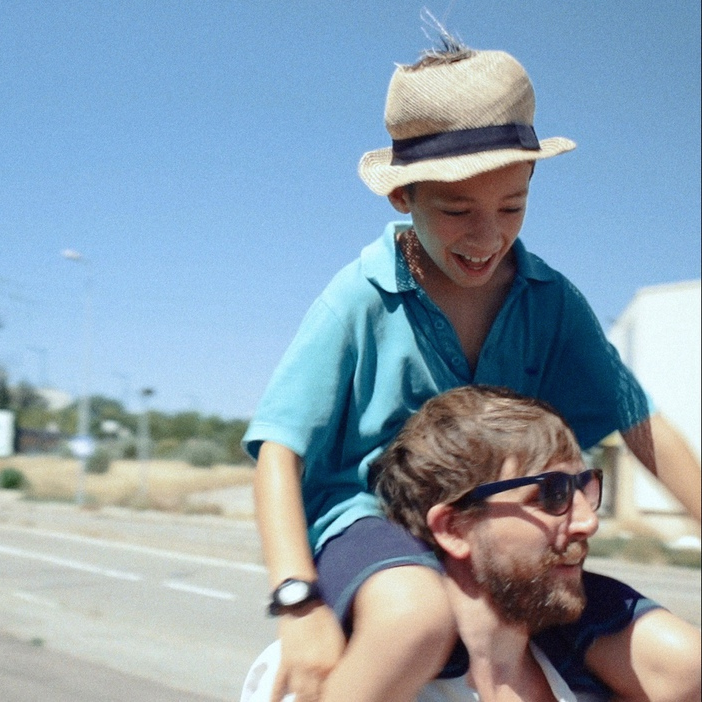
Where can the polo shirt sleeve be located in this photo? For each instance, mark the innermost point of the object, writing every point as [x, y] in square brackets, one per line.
[587, 380]
[309, 390]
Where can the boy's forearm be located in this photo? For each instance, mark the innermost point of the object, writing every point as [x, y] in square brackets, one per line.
[663, 450]
[654, 659]
[280, 515]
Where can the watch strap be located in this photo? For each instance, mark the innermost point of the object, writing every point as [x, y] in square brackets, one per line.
[276, 607]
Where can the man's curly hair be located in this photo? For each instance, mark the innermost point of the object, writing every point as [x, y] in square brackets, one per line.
[459, 440]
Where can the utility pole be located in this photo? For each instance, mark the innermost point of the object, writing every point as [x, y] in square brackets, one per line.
[144, 446]
[83, 445]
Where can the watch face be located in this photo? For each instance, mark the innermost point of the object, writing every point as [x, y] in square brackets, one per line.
[293, 593]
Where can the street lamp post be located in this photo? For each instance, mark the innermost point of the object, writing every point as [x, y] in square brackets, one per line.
[144, 446]
[83, 445]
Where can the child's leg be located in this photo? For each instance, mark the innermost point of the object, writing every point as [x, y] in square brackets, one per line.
[657, 658]
[403, 633]
[387, 589]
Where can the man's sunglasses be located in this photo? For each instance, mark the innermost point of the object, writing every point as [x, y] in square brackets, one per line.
[556, 490]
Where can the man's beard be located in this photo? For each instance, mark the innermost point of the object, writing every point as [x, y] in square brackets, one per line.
[532, 594]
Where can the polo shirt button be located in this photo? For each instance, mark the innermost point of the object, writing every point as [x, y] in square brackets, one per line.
[439, 324]
[456, 361]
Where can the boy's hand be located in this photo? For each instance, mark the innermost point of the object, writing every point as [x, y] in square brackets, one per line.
[312, 643]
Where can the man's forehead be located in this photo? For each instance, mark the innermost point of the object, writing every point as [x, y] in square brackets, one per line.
[511, 467]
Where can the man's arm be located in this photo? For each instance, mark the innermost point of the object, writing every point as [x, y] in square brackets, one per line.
[655, 659]
[665, 452]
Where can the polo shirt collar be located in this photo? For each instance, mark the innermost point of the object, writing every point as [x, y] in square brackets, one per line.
[530, 266]
[382, 262]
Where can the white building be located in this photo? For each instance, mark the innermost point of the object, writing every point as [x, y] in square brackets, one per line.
[658, 337]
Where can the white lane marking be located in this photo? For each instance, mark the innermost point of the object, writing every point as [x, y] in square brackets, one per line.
[69, 563]
[28, 597]
[195, 590]
[149, 550]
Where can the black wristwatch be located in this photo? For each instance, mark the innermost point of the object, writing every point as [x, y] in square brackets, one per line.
[291, 594]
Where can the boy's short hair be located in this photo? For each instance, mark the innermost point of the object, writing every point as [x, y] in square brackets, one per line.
[459, 440]
[452, 49]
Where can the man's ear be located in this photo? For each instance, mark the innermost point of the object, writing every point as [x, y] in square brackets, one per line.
[448, 530]
[400, 200]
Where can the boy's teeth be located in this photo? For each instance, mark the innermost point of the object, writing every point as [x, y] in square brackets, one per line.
[472, 259]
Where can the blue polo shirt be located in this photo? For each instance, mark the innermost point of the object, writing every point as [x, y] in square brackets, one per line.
[373, 348]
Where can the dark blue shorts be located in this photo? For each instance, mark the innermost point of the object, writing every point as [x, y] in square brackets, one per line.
[368, 546]
[373, 544]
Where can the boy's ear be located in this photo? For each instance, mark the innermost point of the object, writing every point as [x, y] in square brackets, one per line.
[449, 531]
[400, 200]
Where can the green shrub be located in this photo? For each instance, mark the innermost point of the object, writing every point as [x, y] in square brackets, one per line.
[118, 449]
[126, 448]
[12, 479]
[167, 448]
[203, 453]
[235, 453]
[99, 462]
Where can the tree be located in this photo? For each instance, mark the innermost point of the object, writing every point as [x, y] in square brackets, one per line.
[175, 431]
[185, 425]
[24, 397]
[5, 398]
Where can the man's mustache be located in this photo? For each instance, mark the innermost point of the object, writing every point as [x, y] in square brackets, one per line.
[575, 553]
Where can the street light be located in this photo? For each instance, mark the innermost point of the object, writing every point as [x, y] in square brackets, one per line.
[144, 445]
[82, 444]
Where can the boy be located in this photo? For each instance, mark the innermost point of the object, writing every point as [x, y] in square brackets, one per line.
[452, 299]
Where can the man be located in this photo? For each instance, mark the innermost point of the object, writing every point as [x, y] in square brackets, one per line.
[495, 483]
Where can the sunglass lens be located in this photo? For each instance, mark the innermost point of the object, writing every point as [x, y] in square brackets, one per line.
[556, 493]
[590, 482]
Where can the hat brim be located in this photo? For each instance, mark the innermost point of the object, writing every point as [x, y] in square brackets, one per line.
[378, 173]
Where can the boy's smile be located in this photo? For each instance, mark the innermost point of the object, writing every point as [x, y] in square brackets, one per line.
[467, 228]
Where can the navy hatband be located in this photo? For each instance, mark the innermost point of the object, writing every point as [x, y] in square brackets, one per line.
[464, 141]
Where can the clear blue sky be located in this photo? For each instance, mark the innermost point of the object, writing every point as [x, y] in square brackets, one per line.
[201, 156]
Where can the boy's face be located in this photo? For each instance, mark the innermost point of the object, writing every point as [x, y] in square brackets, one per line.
[467, 228]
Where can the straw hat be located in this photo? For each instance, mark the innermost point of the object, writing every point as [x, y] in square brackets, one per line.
[453, 120]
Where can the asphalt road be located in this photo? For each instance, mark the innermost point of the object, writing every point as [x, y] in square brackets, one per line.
[119, 605]
[179, 601]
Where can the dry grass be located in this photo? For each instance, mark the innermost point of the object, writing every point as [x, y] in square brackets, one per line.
[170, 483]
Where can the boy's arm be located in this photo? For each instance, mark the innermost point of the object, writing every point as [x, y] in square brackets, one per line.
[312, 640]
[655, 659]
[663, 450]
[280, 515]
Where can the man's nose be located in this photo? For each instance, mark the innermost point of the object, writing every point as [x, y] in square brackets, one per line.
[583, 518]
